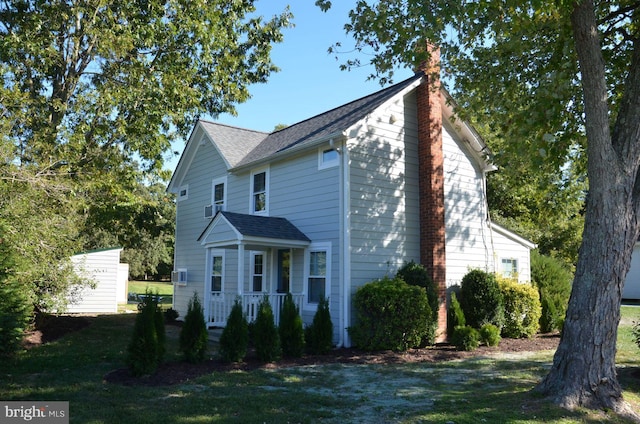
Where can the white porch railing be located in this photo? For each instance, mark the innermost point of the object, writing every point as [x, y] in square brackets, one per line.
[220, 305]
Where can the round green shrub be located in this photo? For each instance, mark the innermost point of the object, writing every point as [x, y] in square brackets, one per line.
[553, 281]
[234, 339]
[390, 315]
[481, 299]
[490, 335]
[319, 335]
[291, 329]
[465, 338]
[521, 309]
[266, 337]
[194, 336]
[455, 316]
[417, 275]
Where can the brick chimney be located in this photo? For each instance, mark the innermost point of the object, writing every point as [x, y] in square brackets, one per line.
[431, 181]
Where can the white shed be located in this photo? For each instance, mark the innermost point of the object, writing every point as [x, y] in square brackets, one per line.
[109, 276]
[632, 284]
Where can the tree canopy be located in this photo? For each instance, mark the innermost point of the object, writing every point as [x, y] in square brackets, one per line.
[93, 93]
[558, 84]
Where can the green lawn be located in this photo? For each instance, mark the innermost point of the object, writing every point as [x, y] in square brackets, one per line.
[164, 289]
[481, 390]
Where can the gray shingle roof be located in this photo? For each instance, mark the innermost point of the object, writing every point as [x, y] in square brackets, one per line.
[242, 147]
[234, 143]
[264, 226]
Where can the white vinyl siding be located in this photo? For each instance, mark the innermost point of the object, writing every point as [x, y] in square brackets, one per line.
[468, 239]
[101, 267]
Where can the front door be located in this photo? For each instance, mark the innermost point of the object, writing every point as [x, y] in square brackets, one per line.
[284, 270]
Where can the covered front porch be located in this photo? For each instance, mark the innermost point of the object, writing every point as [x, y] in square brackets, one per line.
[250, 257]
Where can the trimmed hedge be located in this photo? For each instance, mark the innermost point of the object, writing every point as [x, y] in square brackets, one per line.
[481, 299]
[553, 281]
[490, 335]
[417, 275]
[521, 309]
[390, 315]
[465, 338]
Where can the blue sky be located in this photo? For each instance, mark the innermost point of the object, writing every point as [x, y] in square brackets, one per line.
[310, 80]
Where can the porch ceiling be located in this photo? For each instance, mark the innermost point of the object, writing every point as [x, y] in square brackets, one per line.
[229, 230]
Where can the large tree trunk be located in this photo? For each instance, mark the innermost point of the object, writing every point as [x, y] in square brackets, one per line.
[583, 371]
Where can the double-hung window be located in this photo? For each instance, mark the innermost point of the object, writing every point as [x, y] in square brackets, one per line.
[219, 194]
[216, 272]
[260, 192]
[257, 271]
[318, 272]
[509, 267]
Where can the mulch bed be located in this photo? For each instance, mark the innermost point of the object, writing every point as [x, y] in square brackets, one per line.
[171, 373]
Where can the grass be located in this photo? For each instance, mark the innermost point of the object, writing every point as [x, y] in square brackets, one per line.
[164, 289]
[485, 389]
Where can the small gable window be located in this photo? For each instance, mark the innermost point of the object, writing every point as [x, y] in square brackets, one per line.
[183, 193]
[327, 157]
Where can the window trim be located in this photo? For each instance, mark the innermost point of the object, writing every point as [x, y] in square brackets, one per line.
[212, 254]
[316, 247]
[180, 197]
[324, 164]
[214, 183]
[252, 210]
[514, 267]
[252, 269]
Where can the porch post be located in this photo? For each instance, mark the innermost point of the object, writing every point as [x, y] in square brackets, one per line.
[240, 268]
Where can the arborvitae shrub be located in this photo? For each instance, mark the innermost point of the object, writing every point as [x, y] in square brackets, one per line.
[417, 275]
[636, 333]
[481, 299]
[235, 336]
[549, 316]
[291, 329]
[319, 335]
[147, 342]
[465, 338]
[521, 309]
[194, 336]
[455, 316]
[390, 315]
[553, 281]
[490, 335]
[266, 337]
[16, 308]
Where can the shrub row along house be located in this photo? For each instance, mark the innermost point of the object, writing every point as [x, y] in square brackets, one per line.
[326, 205]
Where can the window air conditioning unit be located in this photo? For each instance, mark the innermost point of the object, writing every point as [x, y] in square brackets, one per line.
[179, 277]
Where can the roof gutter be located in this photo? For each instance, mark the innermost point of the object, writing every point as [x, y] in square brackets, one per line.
[338, 135]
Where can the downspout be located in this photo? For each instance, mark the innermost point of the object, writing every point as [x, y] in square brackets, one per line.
[345, 249]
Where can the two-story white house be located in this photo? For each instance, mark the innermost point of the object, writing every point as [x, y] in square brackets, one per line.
[326, 205]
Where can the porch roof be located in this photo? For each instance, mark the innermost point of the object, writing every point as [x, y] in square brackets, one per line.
[228, 230]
